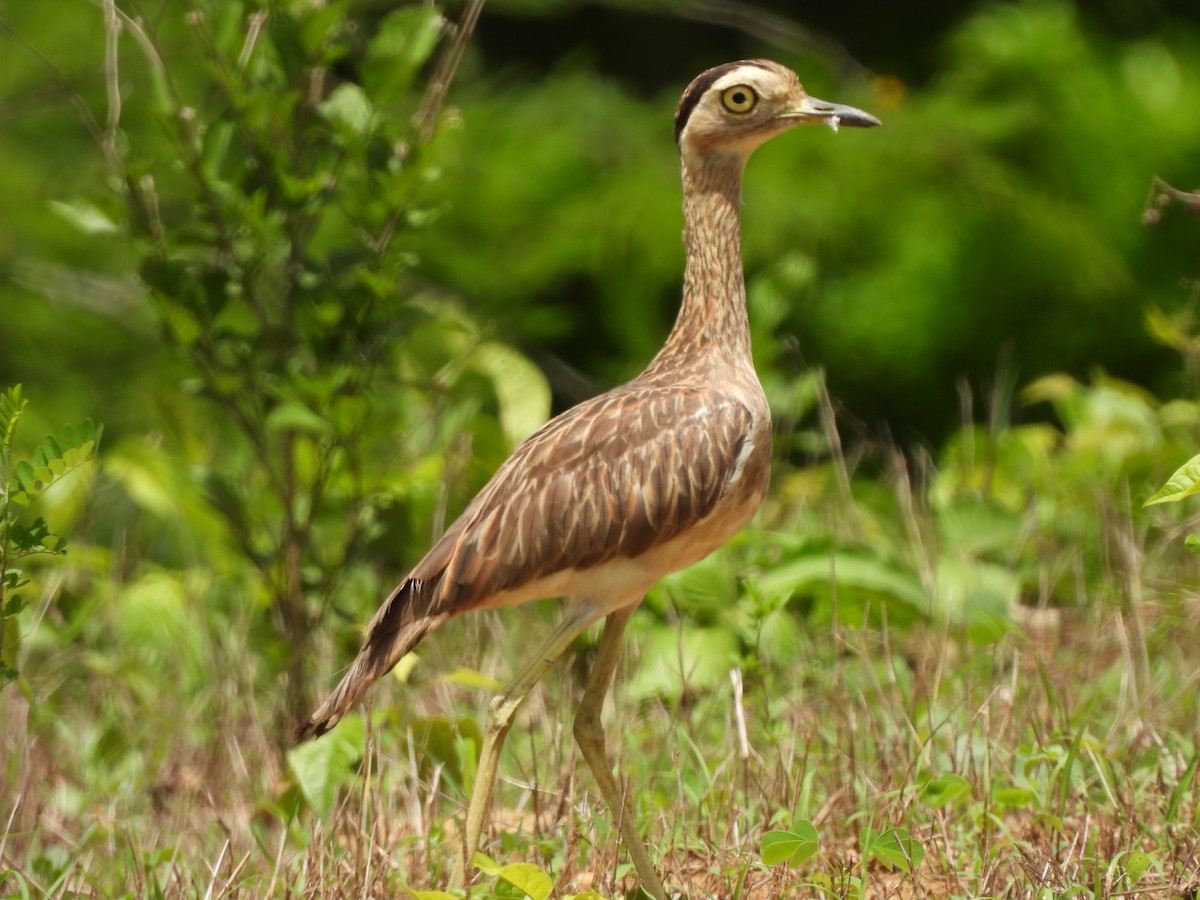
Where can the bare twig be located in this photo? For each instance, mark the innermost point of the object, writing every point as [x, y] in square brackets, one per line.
[447, 66]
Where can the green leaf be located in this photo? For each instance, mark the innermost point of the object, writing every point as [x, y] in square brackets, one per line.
[348, 109]
[1016, 797]
[676, 659]
[11, 407]
[1184, 483]
[402, 43]
[861, 581]
[473, 679]
[181, 324]
[793, 846]
[521, 389]
[28, 478]
[428, 895]
[292, 416]
[83, 215]
[895, 848]
[1136, 865]
[324, 764]
[945, 790]
[528, 878]
[485, 864]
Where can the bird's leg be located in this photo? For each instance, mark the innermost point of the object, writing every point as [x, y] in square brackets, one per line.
[589, 734]
[500, 719]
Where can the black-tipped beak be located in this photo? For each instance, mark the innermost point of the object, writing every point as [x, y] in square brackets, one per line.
[812, 110]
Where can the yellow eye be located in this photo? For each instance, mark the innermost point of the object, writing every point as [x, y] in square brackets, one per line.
[739, 98]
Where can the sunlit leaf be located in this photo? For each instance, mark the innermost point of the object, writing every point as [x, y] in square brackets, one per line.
[472, 678]
[428, 895]
[1184, 483]
[348, 108]
[528, 878]
[85, 216]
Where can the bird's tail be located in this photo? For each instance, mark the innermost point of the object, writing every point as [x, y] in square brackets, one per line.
[392, 633]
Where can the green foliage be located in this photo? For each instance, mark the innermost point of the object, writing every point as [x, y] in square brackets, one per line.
[1184, 483]
[22, 481]
[321, 767]
[518, 880]
[794, 846]
[297, 284]
[895, 848]
[268, 213]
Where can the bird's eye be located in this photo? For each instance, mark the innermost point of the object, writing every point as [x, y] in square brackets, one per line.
[739, 98]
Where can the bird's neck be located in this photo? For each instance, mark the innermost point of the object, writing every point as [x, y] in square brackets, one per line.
[712, 318]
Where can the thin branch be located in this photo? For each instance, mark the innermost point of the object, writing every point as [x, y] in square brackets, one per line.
[112, 81]
[447, 66]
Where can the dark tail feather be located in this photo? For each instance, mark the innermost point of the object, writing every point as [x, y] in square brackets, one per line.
[389, 637]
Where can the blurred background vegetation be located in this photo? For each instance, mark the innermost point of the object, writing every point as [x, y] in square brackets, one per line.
[315, 304]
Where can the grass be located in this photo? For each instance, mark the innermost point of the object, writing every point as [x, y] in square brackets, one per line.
[1054, 756]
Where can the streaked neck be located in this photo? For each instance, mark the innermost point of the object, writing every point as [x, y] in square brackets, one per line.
[712, 317]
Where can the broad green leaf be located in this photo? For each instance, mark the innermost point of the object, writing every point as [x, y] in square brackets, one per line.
[428, 895]
[793, 846]
[945, 790]
[895, 848]
[587, 895]
[527, 877]
[323, 764]
[1184, 483]
[860, 580]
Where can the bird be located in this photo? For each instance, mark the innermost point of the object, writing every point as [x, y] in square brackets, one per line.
[608, 497]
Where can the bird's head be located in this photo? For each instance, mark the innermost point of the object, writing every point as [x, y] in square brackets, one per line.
[735, 107]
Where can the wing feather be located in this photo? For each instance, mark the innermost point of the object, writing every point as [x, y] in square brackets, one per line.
[609, 478]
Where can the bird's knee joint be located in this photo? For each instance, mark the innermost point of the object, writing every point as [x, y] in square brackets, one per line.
[501, 711]
[587, 726]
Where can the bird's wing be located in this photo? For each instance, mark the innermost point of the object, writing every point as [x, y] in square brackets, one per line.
[610, 478]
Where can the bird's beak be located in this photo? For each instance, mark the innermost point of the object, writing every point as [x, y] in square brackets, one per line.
[810, 110]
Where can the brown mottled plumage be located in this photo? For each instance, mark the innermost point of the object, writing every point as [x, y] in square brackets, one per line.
[610, 496]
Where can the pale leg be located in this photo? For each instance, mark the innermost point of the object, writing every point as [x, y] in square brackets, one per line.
[500, 719]
[589, 734]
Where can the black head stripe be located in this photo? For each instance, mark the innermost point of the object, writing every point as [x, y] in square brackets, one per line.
[697, 88]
